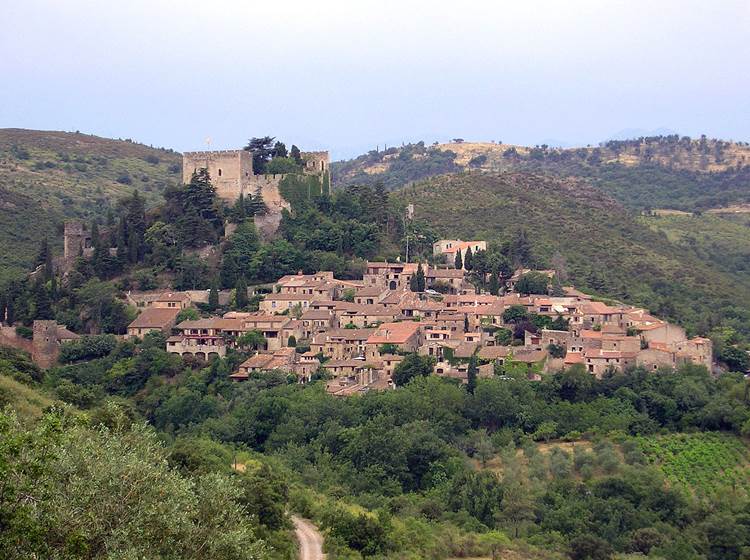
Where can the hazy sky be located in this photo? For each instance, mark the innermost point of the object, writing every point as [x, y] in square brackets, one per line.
[350, 75]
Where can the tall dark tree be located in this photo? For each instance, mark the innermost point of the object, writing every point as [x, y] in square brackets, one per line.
[494, 286]
[241, 293]
[45, 258]
[471, 374]
[42, 301]
[262, 150]
[295, 154]
[213, 297]
[417, 281]
[520, 249]
[458, 262]
[279, 150]
[468, 260]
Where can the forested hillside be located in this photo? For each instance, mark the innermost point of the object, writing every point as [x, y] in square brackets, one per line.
[592, 239]
[48, 176]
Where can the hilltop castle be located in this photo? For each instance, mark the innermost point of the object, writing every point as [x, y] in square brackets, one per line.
[232, 174]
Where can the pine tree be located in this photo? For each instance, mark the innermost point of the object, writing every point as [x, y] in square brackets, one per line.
[468, 259]
[458, 264]
[471, 374]
[466, 323]
[241, 293]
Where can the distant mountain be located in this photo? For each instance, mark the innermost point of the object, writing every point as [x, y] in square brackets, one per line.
[49, 176]
[655, 172]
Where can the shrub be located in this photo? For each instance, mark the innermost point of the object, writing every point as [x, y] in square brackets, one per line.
[87, 348]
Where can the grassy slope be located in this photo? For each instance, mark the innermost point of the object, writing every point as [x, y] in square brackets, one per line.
[601, 241]
[46, 177]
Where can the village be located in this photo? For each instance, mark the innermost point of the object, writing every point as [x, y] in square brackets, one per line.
[355, 333]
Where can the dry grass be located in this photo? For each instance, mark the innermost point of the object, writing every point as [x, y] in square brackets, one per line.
[28, 403]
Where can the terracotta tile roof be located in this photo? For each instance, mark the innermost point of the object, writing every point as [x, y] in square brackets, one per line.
[394, 333]
[586, 333]
[288, 297]
[370, 291]
[155, 318]
[173, 296]
[465, 350]
[573, 358]
[342, 334]
[444, 273]
[316, 314]
[611, 354]
[531, 357]
[493, 352]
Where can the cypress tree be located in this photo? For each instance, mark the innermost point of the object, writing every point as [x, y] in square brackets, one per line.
[494, 284]
[458, 263]
[468, 259]
[471, 374]
[241, 293]
[213, 297]
[420, 278]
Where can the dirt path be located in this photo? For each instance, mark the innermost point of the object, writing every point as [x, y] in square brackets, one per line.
[310, 539]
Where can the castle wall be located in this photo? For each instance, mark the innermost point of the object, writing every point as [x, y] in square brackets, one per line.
[269, 190]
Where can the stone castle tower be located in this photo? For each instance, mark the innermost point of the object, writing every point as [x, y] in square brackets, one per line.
[231, 171]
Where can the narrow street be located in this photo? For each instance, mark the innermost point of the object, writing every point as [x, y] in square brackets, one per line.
[310, 539]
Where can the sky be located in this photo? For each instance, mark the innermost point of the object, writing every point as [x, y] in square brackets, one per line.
[350, 76]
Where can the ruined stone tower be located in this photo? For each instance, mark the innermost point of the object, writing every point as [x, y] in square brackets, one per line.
[46, 346]
[76, 239]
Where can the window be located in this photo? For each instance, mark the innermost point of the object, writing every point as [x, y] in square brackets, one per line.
[219, 172]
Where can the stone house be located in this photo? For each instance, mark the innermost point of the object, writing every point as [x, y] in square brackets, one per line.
[154, 318]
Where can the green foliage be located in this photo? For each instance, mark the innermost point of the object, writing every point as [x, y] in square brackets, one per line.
[239, 252]
[282, 165]
[414, 162]
[87, 348]
[187, 314]
[705, 463]
[417, 281]
[194, 210]
[532, 283]
[75, 492]
[412, 366]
